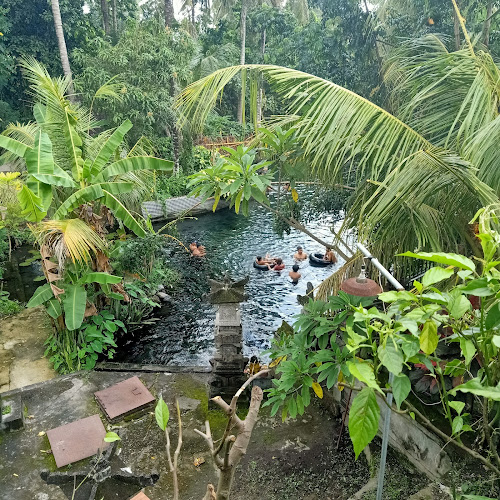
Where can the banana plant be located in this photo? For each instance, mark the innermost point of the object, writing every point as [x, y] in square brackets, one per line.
[235, 177]
[72, 305]
[66, 168]
[92, 180]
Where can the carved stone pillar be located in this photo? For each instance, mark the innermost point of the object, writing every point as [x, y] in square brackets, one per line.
[228, 363]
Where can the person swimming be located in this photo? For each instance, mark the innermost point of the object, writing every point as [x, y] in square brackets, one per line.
[199, 251]
[330, 256]
[294, 274]
[262, 261]
[279, 266]
[300, 254]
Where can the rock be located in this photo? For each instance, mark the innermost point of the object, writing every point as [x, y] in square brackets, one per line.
[432, 492]
[161, 288]
[187, 404]
[164, 297]
[371, 485]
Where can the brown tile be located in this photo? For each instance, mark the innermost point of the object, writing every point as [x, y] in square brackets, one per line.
[140, 496]
[124, 398]
[77, 440]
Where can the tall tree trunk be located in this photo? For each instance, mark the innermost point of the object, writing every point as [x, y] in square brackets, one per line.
[105, 16]
[115, 18]
[63, 51]
[169, 13]
[193, 5]
[243, 36]
[487, 24]
[456, 29]
[176, 132]
[260, 97]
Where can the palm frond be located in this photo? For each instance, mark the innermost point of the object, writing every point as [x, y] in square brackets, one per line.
[426, 203]
[69, 238]
[335, 125]
[110, 89]
[446, 96]
[331, 285]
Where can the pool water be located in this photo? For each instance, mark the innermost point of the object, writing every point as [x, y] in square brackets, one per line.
[185, 330]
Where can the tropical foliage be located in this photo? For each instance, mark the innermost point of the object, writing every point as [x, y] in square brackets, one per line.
[428, 165]
[84, 183]
[235, 177]
[442, 338]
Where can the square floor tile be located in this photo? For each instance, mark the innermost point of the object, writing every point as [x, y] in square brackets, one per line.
[140, 496]
[77, 440]
[124, 398]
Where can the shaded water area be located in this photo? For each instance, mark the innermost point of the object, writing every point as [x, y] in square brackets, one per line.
[184, 333]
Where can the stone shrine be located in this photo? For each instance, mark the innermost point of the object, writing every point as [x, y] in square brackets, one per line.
[228, 363]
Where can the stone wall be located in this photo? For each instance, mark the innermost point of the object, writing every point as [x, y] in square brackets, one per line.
[174, 207]
[422, 448]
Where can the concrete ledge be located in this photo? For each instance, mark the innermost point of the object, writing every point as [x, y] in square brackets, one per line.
[172, 208]
[13, 419]
[135, 367]
[422, 448]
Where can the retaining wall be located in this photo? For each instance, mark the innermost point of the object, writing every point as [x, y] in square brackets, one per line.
[174, 207]
[420, 446]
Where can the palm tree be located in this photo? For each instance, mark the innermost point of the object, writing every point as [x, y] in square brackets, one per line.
[169, 13]
[224, 8]
[63, 52]
[423, 170]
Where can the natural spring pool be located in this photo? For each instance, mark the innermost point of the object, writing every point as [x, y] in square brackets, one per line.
[184, 333]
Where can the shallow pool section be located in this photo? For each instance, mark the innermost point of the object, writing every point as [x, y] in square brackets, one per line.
[184, 333]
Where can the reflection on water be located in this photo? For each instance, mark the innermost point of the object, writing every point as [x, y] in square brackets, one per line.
[184, 335]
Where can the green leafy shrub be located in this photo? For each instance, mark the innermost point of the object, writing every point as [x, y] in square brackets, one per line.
[7, 306]
[80, 349]
[448, 328]
[171, 187]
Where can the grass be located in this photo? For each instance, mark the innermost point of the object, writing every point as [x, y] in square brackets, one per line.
[9, 307]
[6, 410]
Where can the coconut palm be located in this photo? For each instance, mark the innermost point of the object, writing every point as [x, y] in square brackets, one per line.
[422, 169]
[63, 52]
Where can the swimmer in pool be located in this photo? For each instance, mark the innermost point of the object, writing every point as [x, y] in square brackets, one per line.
[294, 274]
[300, 254]
[330, 256]
[279, 266]
[199, 251]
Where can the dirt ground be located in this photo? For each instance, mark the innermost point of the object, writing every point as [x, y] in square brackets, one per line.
[295, 459]
[21, 349]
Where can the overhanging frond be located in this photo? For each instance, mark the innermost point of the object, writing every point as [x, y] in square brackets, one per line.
[335, 125]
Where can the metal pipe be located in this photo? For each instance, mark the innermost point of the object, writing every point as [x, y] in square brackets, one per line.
[387, 422]
[375, 262]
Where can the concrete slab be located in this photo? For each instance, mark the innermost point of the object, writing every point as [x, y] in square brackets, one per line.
[283, 457]
[78, 440]
[22, 338]
[140, 496]
[124, 398]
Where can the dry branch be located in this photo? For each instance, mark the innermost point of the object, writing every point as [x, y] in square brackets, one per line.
[232, 447]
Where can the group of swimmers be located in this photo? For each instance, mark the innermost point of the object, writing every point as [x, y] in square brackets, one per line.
[197, 250]
[276, 263]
